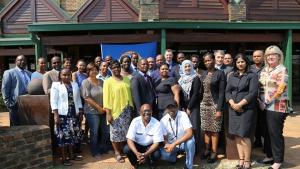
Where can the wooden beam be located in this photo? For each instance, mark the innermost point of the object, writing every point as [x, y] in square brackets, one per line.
[221, 25]
[97, 39]
[225, 37]
[15, 52]
[289, 61]
[163, 41]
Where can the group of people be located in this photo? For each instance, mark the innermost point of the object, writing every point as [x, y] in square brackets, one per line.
[154, 108]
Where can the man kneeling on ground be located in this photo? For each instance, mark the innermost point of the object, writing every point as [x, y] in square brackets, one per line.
[143, 138]
[178, 136]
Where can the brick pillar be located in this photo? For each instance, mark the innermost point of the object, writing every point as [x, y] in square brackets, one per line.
[149, 10]
[135, 3]
[237, 10]
[71, 6]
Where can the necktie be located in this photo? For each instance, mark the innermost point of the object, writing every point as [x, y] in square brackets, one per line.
[148, 80]
[25, 78]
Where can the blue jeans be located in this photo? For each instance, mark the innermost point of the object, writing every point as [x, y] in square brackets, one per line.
[94, 123]
[188, 147]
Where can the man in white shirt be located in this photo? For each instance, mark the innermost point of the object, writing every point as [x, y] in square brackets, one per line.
[178, 136]
[143, 138]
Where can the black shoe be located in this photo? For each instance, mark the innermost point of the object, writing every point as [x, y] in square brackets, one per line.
[204, 156]
[257, 145]
[212, 158]
[266, 162]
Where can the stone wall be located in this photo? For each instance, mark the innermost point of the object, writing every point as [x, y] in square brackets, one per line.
[71, 6]
[25, 147]
[237, 11]
[149, 10]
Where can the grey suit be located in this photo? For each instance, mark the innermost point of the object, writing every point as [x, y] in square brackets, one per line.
[142, 91]
[13, 85]
[49, 77]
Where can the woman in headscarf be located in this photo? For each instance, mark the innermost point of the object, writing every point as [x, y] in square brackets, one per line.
[190, 85]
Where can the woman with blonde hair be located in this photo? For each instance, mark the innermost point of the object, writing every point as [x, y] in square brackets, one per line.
[274, 80]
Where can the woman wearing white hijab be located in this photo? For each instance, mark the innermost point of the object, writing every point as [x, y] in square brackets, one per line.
[190, 85]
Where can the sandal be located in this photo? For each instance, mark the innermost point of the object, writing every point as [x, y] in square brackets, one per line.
[67, 163]
[240, 166]
[248, 162]
[77, 158]
[119, 158]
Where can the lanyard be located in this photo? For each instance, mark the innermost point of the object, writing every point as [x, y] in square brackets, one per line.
[175, 134]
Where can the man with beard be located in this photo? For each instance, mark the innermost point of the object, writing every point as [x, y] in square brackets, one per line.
[14, 84]
[143, 138]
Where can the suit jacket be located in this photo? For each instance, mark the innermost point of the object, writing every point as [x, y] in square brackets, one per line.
[13, 85]
[59, 97]
[49, 77]
[141, 91]
[217, 87]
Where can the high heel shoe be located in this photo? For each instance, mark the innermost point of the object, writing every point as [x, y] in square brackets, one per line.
[205, 156]
[240, 166]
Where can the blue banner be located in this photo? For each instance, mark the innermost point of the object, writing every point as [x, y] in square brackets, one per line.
[116, 50]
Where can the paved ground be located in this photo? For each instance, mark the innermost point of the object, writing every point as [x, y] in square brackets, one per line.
[292, 153]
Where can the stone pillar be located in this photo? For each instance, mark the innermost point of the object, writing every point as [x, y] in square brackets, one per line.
[149, 10]
[237, 10]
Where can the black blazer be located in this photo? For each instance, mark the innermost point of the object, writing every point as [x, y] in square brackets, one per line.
[217, 87]
[142, 92]
[242, 87]
[195, 94]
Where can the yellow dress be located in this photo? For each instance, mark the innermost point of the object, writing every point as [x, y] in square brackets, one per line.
[116, 95]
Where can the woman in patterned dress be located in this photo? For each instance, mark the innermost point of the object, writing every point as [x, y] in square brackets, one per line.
[274, 80]
[67, 108]
[211, 106]
[117, 101]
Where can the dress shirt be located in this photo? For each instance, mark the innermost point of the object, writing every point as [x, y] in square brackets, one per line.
[145, 135]
[175, 129]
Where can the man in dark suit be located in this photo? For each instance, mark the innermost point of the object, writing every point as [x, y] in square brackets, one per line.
[14, 84]
[142, 87]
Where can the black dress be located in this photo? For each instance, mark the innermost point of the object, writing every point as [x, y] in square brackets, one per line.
[164, 94]
[239, 88]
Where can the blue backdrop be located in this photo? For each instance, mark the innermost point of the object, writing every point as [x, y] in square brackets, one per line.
[115, 50]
